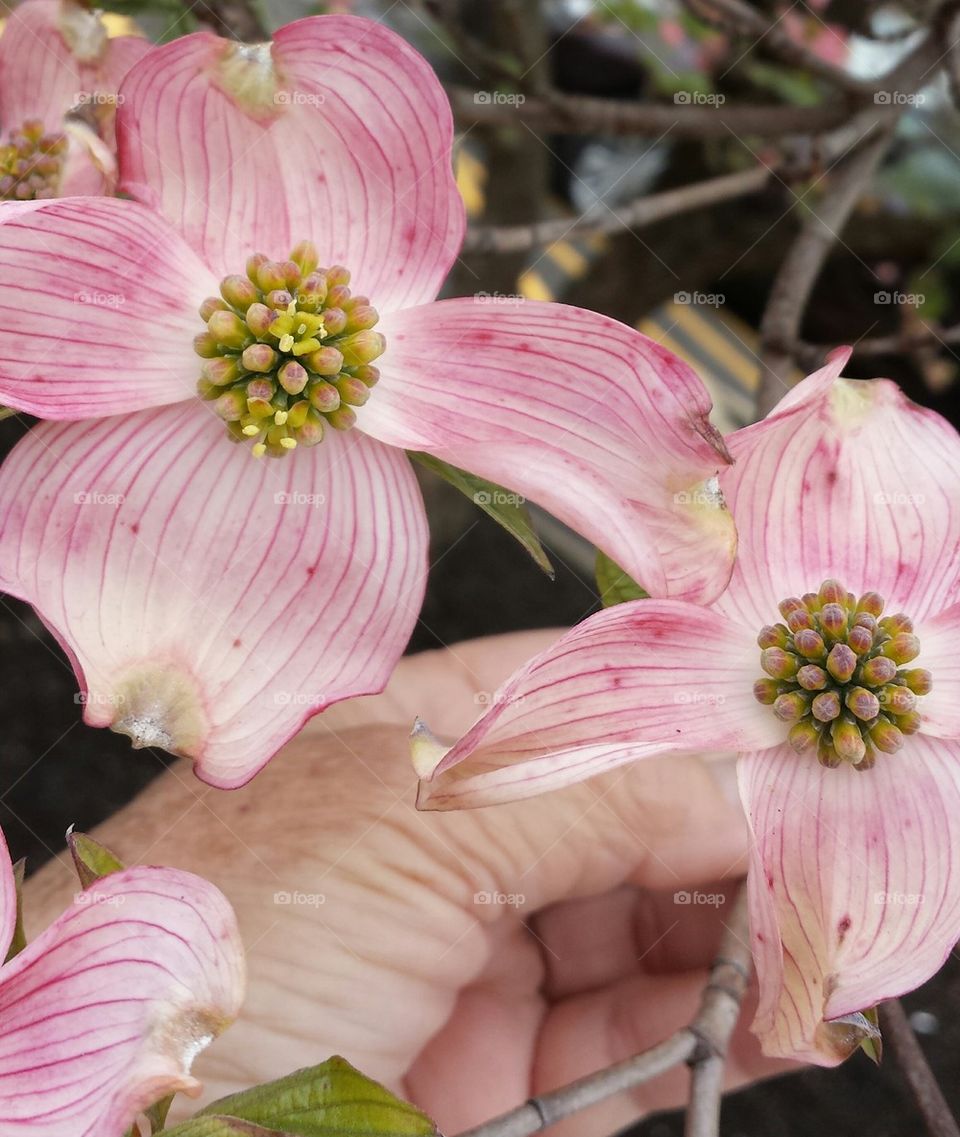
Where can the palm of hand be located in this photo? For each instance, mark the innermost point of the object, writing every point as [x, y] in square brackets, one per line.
[466, 960]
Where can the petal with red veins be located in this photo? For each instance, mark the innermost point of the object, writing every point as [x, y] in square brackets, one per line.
[846, 479]
[340, 134]
[212, 602]
[51, 53]
[581, 414]
[638, 679]
[104, 1012]
[854, 887]
[940, 654]
[98, 308]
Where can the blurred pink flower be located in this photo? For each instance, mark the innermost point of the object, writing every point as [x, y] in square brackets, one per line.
[55, 58]
[211, 603]
[854, 874]
[105, 1011]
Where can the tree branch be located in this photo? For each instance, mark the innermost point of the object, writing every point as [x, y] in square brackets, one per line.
[899, 1039]
[643, 211]
[582, 114]
[237, 19]
[702, 1044]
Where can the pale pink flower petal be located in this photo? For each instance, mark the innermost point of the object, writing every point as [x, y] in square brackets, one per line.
[90, 168]
[212, 603]
[857, 876]
[638, 679]
[99, 304]
[340, 134]
[846, 480]
[52, 52]
[575, 411]
[104, 1012]
[939, 643]
[8, 899]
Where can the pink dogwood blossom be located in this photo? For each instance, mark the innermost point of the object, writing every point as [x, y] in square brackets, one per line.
[104, 1012]
[55, 57]
[830, 665]
[211, 602]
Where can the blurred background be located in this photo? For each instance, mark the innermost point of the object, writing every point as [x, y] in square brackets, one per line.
[748, 183]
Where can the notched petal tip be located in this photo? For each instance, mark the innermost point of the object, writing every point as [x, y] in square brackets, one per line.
[426, 751]
[83, 31]
[154, 704]
[247, 74]
[838, 1038]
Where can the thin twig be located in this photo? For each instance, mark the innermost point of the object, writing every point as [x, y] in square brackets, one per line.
[900, 1041]
[811, 355]
[643, 211]
[746, 20]
[780, 326]
[702, 1044]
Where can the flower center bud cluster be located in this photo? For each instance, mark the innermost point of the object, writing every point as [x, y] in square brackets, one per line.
[835, 671]
[288, 351]
[31, 162]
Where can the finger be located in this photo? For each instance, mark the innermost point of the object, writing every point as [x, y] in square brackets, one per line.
[599, 940]
[597, 1029]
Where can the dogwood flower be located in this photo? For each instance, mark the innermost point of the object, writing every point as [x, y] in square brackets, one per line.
[829, 665]
[105, 1011]
[55, 57]
[211, 601]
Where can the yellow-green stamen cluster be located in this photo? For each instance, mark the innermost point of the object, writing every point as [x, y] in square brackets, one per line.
[835, 672]
[31, 162]
[288, 350]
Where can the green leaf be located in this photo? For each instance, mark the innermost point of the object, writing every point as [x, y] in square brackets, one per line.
[91, 859]
[329, 1100]
[872, 1045]
[222, 1127]
[506, 508]
[614, 585]
[19, 940]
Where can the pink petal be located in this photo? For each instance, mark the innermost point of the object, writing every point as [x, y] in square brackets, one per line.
[638, 679]
[212, 602]
[583, 415]
[850, 480]
[90, 169]
[939, 642]
[99, 305]
[856, 875]
[105, 1011]
[53, 52]
[341, 135]
[8, 899]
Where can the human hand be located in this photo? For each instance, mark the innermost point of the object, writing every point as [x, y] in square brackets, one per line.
[467, 960]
